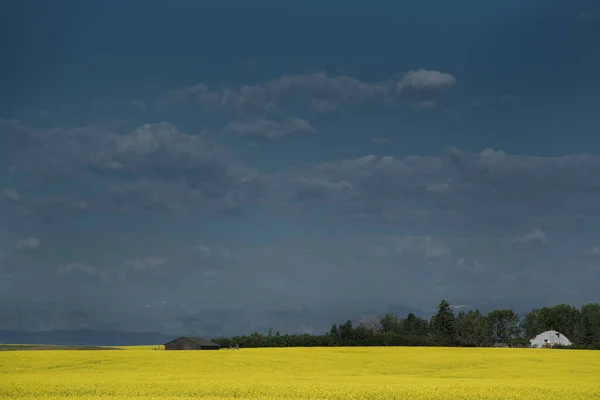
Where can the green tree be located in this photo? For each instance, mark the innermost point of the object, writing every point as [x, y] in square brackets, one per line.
[561, 317]
[334, 333]
[389, 324]
[533, 324]
[420, 327]
[442, 325]
[504, 325]
[472, 329]
[588, 325]
[346, 330]
[360, 333]
[408, 325]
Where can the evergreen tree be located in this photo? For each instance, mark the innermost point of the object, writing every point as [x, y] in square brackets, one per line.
[346, 330]
[533, 324]
[588, 325]
[562, 318]
[442, 325]
[472, 329]
[334, 333]
[389, 324]
[504, 325]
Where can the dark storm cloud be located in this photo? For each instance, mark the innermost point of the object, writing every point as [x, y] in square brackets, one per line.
[157, 151]
[394, 270]
[110, 218]
[154, 167]
[457, 186]
[159, 168]
[162, 170]
[10, 195]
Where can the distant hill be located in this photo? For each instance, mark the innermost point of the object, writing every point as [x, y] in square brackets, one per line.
[84, 338]
[25, 347]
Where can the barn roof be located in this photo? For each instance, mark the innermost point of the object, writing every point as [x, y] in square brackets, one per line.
[549, 332]
[196, 339]
[201, 341]
[550, 336]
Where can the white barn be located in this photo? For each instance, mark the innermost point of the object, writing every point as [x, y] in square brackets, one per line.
[549, 339]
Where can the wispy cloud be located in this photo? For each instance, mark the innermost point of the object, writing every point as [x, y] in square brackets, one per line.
[425, 80]
[10, 195]
[318, 92]
[145, 263]
[29, 244]
[269, 129]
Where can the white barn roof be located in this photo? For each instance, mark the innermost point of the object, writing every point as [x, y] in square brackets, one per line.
[550, 338]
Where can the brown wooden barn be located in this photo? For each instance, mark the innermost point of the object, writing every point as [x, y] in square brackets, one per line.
[191, 343]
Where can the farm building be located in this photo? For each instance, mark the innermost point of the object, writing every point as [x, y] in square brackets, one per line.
[549, 339]
[191, 343]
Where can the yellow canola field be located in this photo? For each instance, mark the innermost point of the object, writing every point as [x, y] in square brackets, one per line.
[301, 373]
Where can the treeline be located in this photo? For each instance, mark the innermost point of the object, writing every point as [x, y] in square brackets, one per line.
[445, 328]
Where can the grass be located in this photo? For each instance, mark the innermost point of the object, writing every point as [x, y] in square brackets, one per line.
[302, 373]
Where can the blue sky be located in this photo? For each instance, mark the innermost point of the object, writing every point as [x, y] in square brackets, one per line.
[177, 161]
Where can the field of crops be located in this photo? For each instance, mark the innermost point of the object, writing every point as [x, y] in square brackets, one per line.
[301, 373]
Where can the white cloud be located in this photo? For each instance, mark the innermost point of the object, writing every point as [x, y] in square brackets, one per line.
[323, 184]
[461, 306]
[594, 251]
[532, 240]
[318, 91]
[469, 264]
[77, 266]
[152, 150]
[426, 80]
[10, 195]
[145, 263]
[268, 128]
[279, 106]
[29, 244]
[343, 88]
[77, 270]
[158, 167]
